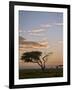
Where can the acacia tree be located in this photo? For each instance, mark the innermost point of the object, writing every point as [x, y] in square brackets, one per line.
[35, 57]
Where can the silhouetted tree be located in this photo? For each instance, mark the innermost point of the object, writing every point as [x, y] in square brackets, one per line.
[36, 57]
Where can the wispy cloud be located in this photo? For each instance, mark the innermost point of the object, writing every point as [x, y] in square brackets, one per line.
[44, 43]
[58, 24]
[50, 25]
[31, 44]
[45, 25]
[22, 31]
[44, 39]
[34, 46]
[60, 42]
[38, 30]
[21, 40]
[35, 34]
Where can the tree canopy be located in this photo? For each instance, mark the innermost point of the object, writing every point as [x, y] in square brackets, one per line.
[31, 56]
[35, 57]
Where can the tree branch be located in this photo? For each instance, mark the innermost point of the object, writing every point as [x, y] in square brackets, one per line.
[46, 56]
[44, 60]
[37, 63]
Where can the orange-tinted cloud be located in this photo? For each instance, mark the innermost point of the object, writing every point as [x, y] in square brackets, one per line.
[23, 43]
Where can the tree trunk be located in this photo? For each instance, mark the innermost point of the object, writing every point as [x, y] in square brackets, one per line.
[43, 69]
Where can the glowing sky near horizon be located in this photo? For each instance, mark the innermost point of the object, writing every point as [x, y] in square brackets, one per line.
[41, 31]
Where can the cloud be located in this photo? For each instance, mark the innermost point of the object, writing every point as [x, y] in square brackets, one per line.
[36, 34]
[44, 39]
[31, 44]
[44, 43]
[21, 39]
[41, 28]
[58, 24]
[22, 31]
[37, 30]
[45, 25]
[50, 25]
[60, 42]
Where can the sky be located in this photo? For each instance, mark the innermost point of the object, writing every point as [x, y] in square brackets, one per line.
[41, 31]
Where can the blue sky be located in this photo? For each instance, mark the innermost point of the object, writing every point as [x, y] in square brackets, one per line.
[29, 20]
[45, 28]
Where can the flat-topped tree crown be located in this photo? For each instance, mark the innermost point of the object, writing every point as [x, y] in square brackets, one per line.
[31, 56]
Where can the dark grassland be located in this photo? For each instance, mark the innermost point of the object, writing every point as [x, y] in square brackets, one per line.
[38, 73]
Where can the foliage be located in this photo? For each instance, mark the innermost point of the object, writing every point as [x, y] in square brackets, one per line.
[36, 57]
[31, 56]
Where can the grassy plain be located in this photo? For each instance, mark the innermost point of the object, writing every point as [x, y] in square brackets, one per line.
[38, 73]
